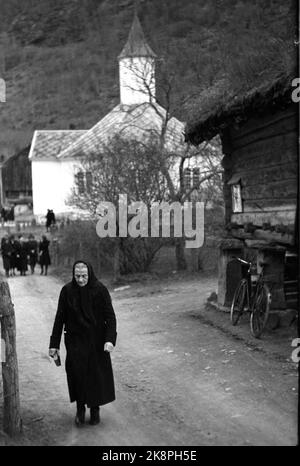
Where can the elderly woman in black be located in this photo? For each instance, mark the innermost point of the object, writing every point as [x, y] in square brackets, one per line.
[87, 315]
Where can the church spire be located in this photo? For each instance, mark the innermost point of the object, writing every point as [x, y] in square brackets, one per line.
[137, 68]
[136, 45]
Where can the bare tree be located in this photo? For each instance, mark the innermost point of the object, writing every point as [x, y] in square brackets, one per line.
[207, 156]
[147, 163]
[122, 166]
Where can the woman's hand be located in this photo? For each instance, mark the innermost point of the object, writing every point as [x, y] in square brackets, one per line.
[108, 347]
[53, 352]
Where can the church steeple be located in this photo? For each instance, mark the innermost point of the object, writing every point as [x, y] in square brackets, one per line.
[137, 68]
[136, 45]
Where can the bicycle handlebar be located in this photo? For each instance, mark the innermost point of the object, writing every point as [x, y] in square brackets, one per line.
[241, 260]
[262, 264]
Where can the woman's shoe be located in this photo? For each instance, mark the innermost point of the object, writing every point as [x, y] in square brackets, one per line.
[95, 416]
[80, 417]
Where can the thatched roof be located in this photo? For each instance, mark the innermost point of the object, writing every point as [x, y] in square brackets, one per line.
[207, 121]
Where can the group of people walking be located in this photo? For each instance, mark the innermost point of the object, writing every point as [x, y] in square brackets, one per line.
[18, 254]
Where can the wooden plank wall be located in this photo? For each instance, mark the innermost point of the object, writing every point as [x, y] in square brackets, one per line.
[17, 173]
[264, 153]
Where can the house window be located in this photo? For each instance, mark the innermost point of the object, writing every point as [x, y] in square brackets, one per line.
[236, 198]
[83, 181]
[236, 193]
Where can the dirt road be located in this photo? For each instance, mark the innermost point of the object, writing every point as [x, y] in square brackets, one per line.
[179, 380]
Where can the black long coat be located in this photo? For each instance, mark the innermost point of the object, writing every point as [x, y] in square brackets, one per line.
[44, 252]
[21, 256]
[15, 247]
[32, 252]
[6, 250]
[88, 366]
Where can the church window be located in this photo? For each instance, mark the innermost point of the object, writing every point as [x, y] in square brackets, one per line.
[80, 185]
[187, 178]
[88, 181]
[196, 177]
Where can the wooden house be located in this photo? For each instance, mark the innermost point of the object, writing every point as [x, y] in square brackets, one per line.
[259, 134]
[16, 178]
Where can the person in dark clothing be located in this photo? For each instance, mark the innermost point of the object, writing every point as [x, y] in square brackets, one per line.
[32, 252]
[6, 250]
[22, 254]
[3, 214]
[50, 219]
[53, 219]
[85, 311]
[11, 213]
[44, 256]
[13, 258]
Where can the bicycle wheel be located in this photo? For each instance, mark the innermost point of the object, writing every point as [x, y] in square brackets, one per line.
[238, 302]
[260, 310]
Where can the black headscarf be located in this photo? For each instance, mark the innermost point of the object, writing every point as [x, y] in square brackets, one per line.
[83, 295]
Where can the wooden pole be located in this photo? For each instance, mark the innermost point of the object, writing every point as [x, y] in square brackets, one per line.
[12, 422]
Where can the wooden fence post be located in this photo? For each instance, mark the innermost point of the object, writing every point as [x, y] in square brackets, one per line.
[12, 422]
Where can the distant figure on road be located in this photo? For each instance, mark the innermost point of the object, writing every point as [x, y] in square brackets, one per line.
[3, 215]
[32, 252]
[6, 251]
[22, 253]
[11, 213]
[44, 256]
[13, 260]
[50, 219]
[85, 311]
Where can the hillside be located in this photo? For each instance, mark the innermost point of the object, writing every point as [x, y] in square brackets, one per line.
[59, 57]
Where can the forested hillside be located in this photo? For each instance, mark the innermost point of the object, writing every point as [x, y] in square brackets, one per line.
[59, 57]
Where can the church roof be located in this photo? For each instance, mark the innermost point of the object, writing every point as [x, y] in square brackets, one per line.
[47, 144]
[136, 45]
[131, 122]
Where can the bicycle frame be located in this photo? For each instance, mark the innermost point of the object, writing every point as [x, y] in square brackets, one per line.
[258, 284]
[247, 276]
[254, 297]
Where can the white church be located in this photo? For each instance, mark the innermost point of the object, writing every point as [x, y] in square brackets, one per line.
[55, 154]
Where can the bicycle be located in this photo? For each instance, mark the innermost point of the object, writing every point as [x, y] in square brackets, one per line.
[251, 297]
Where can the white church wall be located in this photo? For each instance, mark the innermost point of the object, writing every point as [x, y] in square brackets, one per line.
[52, 182]
[68, 169]
[137, 80]
[45, 186]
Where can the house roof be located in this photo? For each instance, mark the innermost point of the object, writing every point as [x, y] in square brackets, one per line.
[136, 45]
[131, 122]
[46, 144]
[207, 119]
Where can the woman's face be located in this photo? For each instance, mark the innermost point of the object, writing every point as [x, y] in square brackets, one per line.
[81, 274]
